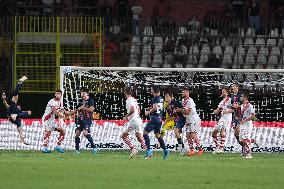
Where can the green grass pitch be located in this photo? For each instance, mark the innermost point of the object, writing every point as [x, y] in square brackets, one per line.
[113, 169]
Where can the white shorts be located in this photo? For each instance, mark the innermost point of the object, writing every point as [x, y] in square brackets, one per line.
[193, 124]
[223, 124]
[50, 125]
[134, 125]
[246, 130]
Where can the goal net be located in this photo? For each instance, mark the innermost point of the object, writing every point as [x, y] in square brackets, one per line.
[106, 87]
[266, 89]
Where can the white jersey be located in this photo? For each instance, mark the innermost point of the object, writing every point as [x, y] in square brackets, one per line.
[132, 104]
[247, 110]
[48, 114]
[225, 105]
[189, 104]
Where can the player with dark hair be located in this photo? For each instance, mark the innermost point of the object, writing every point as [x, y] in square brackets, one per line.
[236, 109]
[224, 122]
[246, 125]
[134, 123]
[84, 120]
[193, 122]
[156, 114]
[14, 111]
[53, 109]
[173, 119]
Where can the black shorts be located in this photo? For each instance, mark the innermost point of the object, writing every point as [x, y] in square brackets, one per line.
[17, 122]
[154, 124]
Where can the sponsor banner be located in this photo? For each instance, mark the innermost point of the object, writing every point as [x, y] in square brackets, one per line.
[107, 134]
[38, 122]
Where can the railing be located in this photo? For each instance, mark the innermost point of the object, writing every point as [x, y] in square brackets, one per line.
[43, 44]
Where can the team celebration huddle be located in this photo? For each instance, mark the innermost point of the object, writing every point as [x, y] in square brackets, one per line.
[166, 113]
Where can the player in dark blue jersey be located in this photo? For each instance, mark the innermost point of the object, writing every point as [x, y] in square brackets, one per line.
[236, 109]
[14, 111]
[174, 119]
[155, 123]
[84, 120]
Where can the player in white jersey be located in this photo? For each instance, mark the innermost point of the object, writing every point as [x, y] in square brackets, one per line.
[193, 123]
[224, 122]
[53, 109]
[246, 125]
[134, 123]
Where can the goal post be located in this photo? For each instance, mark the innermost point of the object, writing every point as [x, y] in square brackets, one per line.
[106, 85]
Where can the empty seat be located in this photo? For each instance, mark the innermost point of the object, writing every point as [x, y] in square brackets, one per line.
[261, 59]
[158, 49]
[146, 60]
[271, 42]
[148, 30]
[192, 59]
[182, 31]
[224, 42]
[240, 50]
[241, 32]
[275, 51]
[203, 59]
[263, 51]
[134, 60]
[194, 50]
[274, 33]
[238, 59]
[249, 41]
[167, 65]
[229, 50]
[249, 62]
[178, 65]
[250, 32]
[132, 64]
[136, 40]
[217, 50]
[252, 51]
[168, 61]
[280, 43]
[158, 40]
[260, 42]
[227, 61]
[205, 50]
[147, 40]
[147, 49]
[157, 61]
[135, 49]
[273, 60]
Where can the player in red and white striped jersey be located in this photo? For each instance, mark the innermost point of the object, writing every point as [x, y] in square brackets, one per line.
[224, 122]
[53, 109]
[193, 122]
[246, 125]
[134, 123]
